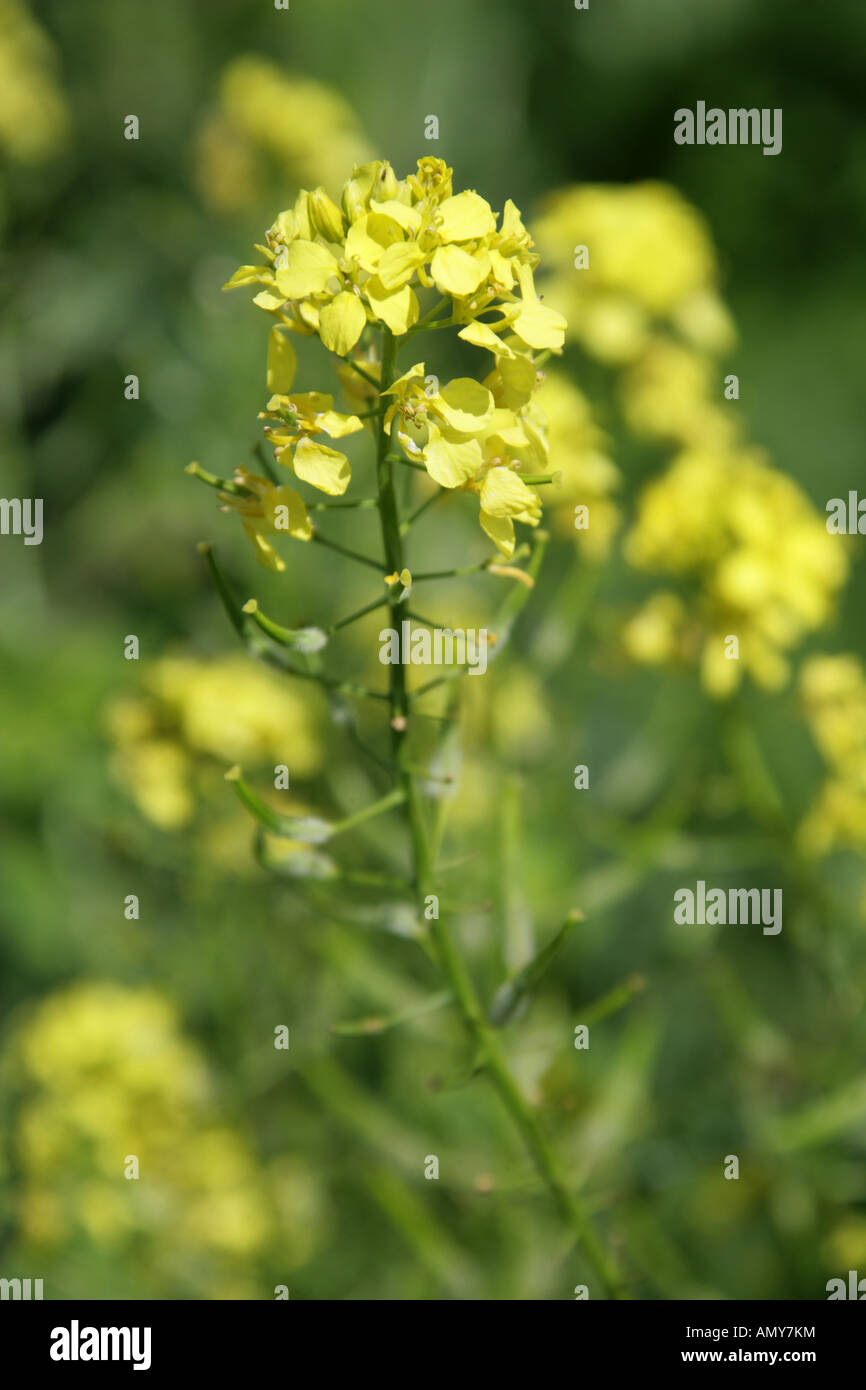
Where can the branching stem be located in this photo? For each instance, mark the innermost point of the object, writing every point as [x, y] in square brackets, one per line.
[484, 1037]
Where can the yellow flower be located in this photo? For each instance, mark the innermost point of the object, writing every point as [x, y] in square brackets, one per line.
[505, 498]
[336, 270]
[190, 711]
[266, 509]
[332, 270]
[237, 711]
[158, 773]
[653, 635]
[34, 118]
[588, 476]
[465, 440]
[104, 1073]
[673, 393]
[306, 414]
[833, 693]
[305, 127]
[625, 258]
[764, 567]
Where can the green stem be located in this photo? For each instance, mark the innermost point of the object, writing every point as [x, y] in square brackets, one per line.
[343, 550]
[484, 1037]
[393, 798]
[420, 510]
[342, 503]
[429, 317]
[359, 613]
[371, 380]
[195, 470]
[407, 463]
[393, 544]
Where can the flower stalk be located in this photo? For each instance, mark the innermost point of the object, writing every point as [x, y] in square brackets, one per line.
[484, 1037]
[347, 274]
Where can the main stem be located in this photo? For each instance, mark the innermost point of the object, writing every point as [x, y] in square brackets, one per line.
[482, 1034]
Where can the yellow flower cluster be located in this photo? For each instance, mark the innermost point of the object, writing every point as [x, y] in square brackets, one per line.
[628, 260]
[674, 394]
[766, 569]
[193, 710]
[34, 117]
[635, 271]
[303, 126]
[337, 270]
[833, 693]
[106, 1075]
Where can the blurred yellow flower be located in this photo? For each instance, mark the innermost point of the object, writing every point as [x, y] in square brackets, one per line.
[833, 694]
[305, 127]
[191, 710]
[626, 258]
[845, 1246]
[34, 117]
[764, 568]
[674, 393]
[578, 452]
[654, 634]
[105, 1073]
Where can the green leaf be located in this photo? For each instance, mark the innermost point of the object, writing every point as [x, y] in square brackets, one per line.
[378, 1023]
[515, 989]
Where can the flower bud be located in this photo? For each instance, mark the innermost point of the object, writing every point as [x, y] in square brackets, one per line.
[325, 216]
[354, 204]
[387, 185]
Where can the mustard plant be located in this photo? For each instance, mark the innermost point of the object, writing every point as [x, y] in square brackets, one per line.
[394, 261]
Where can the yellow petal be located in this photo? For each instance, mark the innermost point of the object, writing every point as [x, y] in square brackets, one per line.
[248, 275]
[306, 403]
[504, 493]
[282, 362]
[501, 269]
[369, 237]
[465, 217]
[309, 315]
[512, 233]
[308, 268]
[406, 217]
[342, 322]
[265, 553]
[455, 272]
[398, 310]
[398, 387]
[500, 529]
[464, 404]
[333, 423]
[518, 380]
[286, 512]
[286, 226]
[324, 468]
[399, 263]
[504, 428]
[539, 326]
[450, 462]
[268, 299]
[481, 335]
